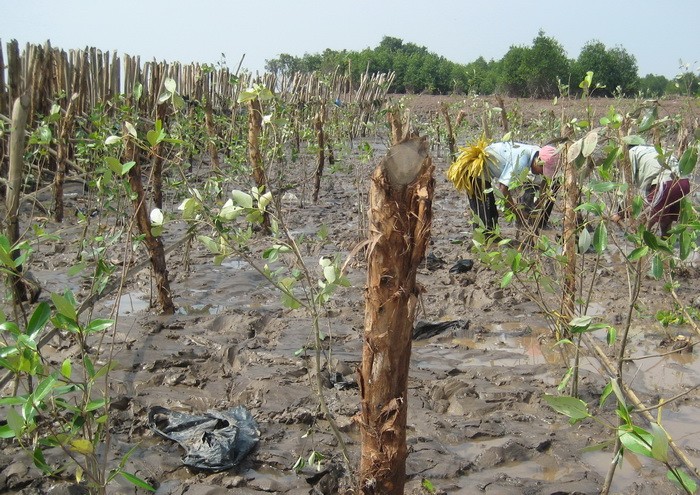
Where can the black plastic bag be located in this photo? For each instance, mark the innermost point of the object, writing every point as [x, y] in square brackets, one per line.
[425, 329]
[462, 266]
[215, 440]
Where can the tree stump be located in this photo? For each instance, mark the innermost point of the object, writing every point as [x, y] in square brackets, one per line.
[399, 228]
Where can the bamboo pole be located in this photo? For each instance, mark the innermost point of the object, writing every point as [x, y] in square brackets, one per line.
[4, 103]
[14, 190]
[63, 149]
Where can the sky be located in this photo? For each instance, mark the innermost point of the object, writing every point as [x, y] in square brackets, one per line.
[660, 35]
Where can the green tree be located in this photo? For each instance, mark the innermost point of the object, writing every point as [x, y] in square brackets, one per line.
[652, 85]
[481, 76]
[686, 83]
[511, 79]
[615, 69]
[545, 63]
[533, 71]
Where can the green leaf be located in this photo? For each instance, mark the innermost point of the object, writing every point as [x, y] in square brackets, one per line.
[611, 336]
[170, 84]
[114, 165]
[600, 238]
[126, 167]
[428, 486]
[209, 243]
[580, 323]
[40, 462]
[93, 405]
[606, 393]
[589, 143]
[136, 481]
[230, 211]
[188, 208]
[329, 273]
[636, 439]
[43, 389]
[290, 302]
[584, 241]
[76, 269]
[633, 140]
[66, 368]
[638, 253]
[246, 96]
[650, 240]
[657, 267]
[98, 325]
[592, 208]
[155, 137]
[648, 119]
[659, 444]
[685, 242]
[64, 306]
[138, 91]
[565, 379]
[38, 321]
[618, 393]
[131, 129]
[242, 199]
[15, 422]
[6, 431]
[603, 186]
[587, 80]
[178, 101]
[637, 206]
[506, 279]
[515, 264]
[89, 367]
[569, 406]
[681, 479]
[688, 160]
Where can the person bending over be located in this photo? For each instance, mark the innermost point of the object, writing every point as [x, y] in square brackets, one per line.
[661, 186]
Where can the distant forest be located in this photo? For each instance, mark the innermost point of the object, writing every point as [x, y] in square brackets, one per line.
[541, 70]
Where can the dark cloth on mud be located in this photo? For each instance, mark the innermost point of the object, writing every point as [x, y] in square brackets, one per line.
[214, 441]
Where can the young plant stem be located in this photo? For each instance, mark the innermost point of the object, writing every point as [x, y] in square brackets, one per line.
[635, 271]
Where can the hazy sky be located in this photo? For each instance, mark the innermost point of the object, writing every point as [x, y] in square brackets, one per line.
[659, 34]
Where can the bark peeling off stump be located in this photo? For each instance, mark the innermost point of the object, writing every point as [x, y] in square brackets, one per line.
[400, 215]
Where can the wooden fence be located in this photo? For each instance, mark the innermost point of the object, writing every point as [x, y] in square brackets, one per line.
[46, 73]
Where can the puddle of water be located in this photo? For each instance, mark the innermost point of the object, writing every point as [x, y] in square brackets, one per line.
[130, 302]
[201, 309]
[234, 263]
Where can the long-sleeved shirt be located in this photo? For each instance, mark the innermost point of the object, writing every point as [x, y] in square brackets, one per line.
[506, 160]
[648, 171]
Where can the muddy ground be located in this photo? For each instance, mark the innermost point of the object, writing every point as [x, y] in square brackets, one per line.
[477, 422]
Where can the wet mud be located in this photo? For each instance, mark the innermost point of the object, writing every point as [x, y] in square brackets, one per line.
[477, 422]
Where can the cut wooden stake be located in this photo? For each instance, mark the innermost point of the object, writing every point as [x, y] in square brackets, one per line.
[450, 133]
[62, 154]
[319, 121]
[14, 189]
[400, 215]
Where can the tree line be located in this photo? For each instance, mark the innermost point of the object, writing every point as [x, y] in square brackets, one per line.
[541, 70]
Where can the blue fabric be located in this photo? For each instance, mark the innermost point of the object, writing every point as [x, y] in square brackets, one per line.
[508, 160]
